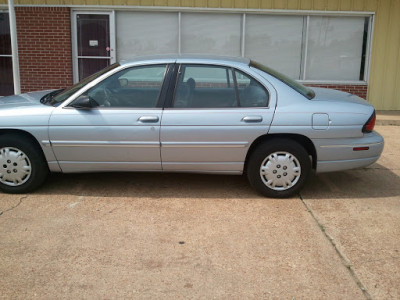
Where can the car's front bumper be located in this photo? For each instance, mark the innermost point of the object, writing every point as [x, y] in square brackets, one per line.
[339, 154]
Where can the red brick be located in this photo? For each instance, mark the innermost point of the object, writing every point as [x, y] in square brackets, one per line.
[359, 90]
[44, 42]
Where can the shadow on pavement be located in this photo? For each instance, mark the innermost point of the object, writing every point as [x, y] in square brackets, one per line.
[148, 185]
[362, 183]
[374, 181]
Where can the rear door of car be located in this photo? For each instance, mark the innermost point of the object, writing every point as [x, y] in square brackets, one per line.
[213, 114]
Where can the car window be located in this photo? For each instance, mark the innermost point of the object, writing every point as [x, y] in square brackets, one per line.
[304, 90]
[202, 86]
[66, 93]
[251, 92]
[136, 87]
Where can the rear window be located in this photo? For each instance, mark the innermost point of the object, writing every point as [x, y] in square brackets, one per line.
[305, 91]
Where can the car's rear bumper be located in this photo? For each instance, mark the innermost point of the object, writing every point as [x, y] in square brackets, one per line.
[340, 154]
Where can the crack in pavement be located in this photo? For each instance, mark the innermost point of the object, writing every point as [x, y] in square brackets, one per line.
[341, 256]
[15, 206]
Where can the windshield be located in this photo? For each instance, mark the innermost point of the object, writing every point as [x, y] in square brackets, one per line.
[305, 91]
[64, 95]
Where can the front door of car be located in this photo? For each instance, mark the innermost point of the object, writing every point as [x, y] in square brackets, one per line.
[215, 114]
[121, 132]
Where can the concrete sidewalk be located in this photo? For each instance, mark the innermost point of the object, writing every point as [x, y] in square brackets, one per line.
[388, 117]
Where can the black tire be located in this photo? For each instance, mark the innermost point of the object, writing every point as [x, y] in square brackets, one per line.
[22, 164]
[286, 168]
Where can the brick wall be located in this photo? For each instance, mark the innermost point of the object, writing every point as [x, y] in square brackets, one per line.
[44, 46]
[359, 90]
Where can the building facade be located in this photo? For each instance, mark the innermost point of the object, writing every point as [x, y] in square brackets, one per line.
[350, 45]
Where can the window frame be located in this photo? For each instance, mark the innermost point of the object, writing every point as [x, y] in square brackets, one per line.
[234, 71]
[169, 104]
[368, 46]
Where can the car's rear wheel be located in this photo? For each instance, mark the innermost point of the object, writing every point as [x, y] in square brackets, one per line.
[278, 168]
[22, 166]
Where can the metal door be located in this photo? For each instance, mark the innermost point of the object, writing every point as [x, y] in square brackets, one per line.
[93, 43]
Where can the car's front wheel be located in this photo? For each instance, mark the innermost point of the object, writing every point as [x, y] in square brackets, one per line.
[22, 166]
[278, 168]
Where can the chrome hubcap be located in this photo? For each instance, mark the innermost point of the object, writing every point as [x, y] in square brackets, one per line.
[15, 166]
[280, 171]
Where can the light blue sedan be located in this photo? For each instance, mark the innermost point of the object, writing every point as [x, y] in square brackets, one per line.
[186, 114]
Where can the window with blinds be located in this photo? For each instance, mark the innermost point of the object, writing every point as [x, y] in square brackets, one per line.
[305, 47]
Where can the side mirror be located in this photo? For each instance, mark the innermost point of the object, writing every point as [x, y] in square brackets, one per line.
[84, 102]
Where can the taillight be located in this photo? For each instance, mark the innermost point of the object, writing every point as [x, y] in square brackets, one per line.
[369, 126]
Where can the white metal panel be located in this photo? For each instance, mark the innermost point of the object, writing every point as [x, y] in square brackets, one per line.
[335, 48]
[211, 33]
[275, 41]
[142, 33]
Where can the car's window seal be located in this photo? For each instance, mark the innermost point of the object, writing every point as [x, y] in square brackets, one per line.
[298, 87]
[163, 95]
[173, 81]
[236, 87]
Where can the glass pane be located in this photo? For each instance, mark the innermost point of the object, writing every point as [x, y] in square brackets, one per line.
[135, 87]
[251, 92]
[335, 48]
[6, 76]
[207, 76]
[5, 40]
[93, 35]
[142, 33]
[211, 33]
[206, 87]
[275, 41]
[89, 66]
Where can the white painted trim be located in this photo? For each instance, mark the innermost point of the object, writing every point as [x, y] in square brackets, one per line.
[243, 35]
[94, 57]
[304, 62]
[74, 44]
[179, 33]
[367, 66]
[113, 44]
[206, 9]
[74, 36]
[14, 47]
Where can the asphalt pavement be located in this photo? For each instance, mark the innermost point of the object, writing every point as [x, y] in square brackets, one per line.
[180, 236]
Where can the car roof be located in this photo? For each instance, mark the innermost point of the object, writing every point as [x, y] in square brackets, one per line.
[188, 58]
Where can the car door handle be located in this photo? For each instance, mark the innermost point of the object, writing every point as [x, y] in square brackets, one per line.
[252, 119]
[148, 119]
